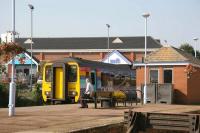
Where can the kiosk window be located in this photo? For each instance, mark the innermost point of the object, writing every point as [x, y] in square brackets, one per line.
[168, 76]
[153, 76]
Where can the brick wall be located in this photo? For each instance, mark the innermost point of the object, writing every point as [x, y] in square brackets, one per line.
[85, 55]
[180, 85]
[88, 56]
[179, 81]
[194, 87]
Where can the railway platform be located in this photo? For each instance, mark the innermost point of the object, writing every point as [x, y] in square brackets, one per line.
[71, 118]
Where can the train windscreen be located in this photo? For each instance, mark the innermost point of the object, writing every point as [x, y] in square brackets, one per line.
[48, 74]
[72, 73]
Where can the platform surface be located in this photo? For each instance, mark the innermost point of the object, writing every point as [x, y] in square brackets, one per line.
[65, 118]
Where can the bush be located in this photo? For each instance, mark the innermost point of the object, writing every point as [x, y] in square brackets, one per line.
[37, 95]
[24, 96]
[4, 95]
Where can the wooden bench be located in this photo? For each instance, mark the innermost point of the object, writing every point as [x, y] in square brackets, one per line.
[141, 121]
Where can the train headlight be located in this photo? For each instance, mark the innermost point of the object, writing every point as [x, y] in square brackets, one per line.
[48, 93]
[73, 93]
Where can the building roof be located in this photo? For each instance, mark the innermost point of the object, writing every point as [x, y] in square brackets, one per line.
[115, 57]
[171, 54]
[90, 43]
[115, 68]
[27, 59]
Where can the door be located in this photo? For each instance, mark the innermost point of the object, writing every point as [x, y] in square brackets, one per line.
[59, 78]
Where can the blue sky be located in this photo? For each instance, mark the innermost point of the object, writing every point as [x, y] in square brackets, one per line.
[177, 21]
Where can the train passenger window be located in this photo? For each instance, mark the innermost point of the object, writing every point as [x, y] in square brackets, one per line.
[103, 80]
[48, 74]
[93, 78]
[72, 73]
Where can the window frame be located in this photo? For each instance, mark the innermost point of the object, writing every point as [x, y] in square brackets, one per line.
[49, 68]
[158, 74]
[164, 75]
[76, 73]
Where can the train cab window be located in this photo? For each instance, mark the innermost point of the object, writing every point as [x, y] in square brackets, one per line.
[48, 74]
[72, 73]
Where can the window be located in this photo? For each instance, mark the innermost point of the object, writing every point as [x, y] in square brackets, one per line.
[104, 79]
[153, 76]
[72, 73]
[93, 78]
[168, 76]
[48, 74]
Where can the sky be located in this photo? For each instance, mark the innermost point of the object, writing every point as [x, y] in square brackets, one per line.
[177, 21]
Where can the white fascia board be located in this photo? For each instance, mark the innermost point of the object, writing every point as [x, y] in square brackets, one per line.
[162, 64]
[30, 58]
[89, 50]
[166, 64]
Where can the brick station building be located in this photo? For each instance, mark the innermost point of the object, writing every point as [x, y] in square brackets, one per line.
[172, 65]
[91, 48]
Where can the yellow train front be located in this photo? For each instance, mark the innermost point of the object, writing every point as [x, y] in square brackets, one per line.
[64, 80]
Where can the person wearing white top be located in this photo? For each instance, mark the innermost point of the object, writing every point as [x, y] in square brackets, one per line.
[89, 87]
[88, 91]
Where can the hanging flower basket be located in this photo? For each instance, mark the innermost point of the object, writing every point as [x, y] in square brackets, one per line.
[9, 50]
[189, 69]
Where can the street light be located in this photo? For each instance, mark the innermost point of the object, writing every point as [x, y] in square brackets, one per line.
[31, 41]
[12, 86]
[108, 26]
[195, 39]
[145, 15]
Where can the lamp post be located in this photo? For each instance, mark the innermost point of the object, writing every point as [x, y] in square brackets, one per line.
[31, 37]
[145, 15]
[195, 50]
[12, 86]
[108, 28]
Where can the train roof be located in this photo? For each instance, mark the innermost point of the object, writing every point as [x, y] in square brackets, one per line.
[114, 68]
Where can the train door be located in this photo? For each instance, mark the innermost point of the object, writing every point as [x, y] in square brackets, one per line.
[59, 83]
[73, 82]
[59, 87]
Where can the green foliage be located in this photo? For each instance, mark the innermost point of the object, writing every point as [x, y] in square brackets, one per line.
[187, 48]
[37, 94]
[2, 68]
[24, 96]
[4, 95]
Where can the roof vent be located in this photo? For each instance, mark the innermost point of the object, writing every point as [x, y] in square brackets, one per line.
[117, 40]
[166, 44]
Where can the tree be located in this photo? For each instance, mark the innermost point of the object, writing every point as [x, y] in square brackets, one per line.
[189, 49]
[9, 51]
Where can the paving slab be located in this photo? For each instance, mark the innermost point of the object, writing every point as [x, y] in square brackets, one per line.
[66, 118]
